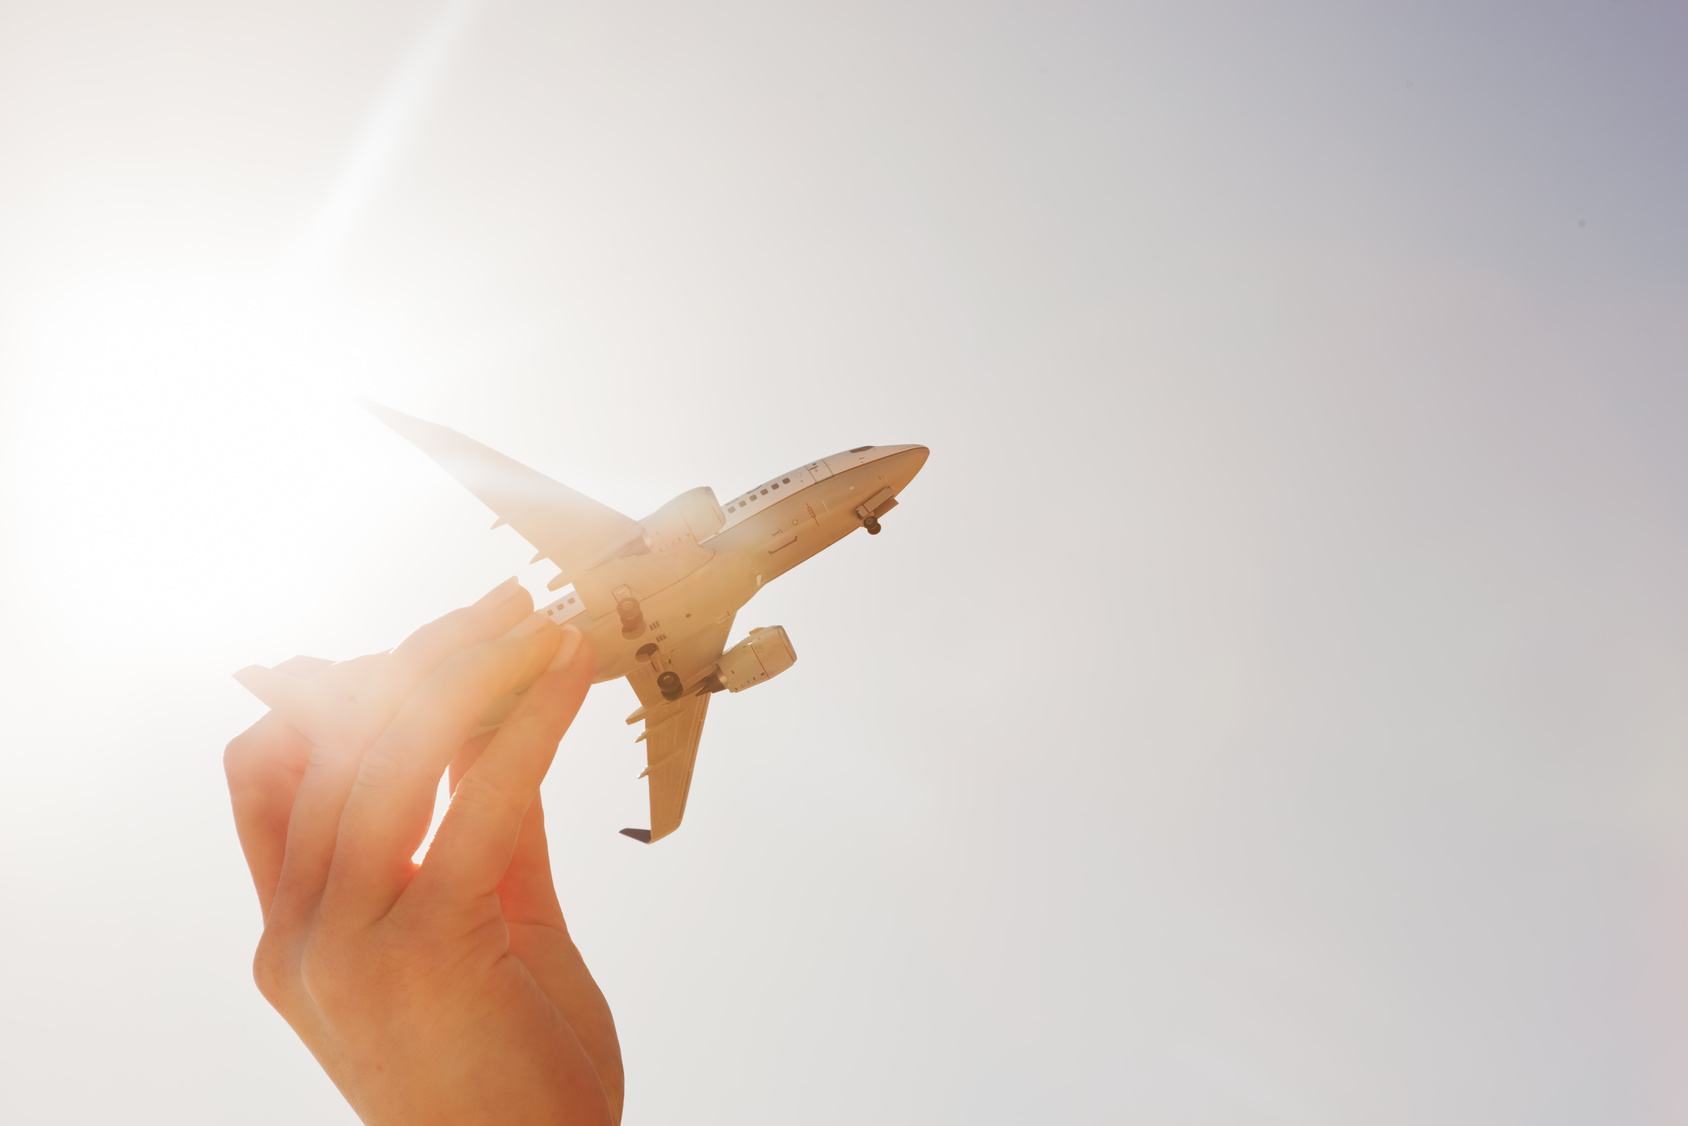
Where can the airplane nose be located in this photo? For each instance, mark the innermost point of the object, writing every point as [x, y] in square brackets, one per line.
[912, 458]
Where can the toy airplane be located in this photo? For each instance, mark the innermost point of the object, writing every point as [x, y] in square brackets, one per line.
[657, 597]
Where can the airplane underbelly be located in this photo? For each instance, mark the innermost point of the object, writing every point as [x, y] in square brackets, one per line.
[799, 529]
[748, 556]
[672, 616]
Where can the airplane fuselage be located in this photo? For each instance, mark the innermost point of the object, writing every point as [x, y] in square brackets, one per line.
[658, 597]
[768, 530]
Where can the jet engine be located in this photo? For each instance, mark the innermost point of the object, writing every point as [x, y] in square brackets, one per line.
[692, 516]
[763, 655]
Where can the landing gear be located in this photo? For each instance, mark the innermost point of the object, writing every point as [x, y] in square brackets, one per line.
[669, 685]
[627, 609]
[870, 516]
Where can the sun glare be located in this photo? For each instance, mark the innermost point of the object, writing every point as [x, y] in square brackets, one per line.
[186, 421]
[173, 412]
[442, 801]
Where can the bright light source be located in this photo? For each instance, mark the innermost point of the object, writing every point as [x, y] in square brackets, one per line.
[442, 802]
[167, 472]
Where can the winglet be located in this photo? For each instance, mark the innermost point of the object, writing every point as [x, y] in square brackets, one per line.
[643, 836]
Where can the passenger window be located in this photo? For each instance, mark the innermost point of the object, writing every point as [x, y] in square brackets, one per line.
[786, 481]
[773, 486]
[764, 492]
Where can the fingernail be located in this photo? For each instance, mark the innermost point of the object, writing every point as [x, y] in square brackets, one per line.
[565, 649]
[498, 593]
[529, 625]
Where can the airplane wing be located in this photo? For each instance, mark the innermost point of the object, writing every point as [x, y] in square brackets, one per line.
[674, 727]
[671, 739]
[569, 528]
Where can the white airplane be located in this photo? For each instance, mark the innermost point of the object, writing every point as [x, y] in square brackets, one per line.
[657, 597]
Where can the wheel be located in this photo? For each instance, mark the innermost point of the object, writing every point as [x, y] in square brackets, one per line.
[632, 618]
[669, 684]
[872, 525]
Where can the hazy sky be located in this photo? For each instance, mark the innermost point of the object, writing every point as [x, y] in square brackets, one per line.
[1269, 704]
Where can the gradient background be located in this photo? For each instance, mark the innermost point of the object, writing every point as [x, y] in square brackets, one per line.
[1269, 704]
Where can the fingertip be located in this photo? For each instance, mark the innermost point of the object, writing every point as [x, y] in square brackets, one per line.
[498, 593]
[529, 625]
[569, 648]
[515, 606]
[504, 605]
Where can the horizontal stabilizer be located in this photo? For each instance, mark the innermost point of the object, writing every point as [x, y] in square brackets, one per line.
[303, 667]
[643, 836]
[569, 528]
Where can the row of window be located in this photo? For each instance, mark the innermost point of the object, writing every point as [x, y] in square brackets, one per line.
[753, 494]
[745, 500]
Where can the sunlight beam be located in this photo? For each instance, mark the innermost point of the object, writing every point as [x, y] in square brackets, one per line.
[391, 121]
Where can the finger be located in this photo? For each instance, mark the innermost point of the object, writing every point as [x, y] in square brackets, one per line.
[466, 756]
[428, 648]
[263, 765]
[321, 796]
[477, 840]
[390, 804]
[527, 892]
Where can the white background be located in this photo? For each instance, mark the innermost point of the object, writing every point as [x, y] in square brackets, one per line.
[1268, 705]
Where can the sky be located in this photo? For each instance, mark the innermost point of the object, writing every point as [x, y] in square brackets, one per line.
[1267, 705]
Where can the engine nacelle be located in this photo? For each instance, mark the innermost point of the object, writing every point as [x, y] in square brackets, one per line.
[692, 516]
[763, 655]
[660, 551]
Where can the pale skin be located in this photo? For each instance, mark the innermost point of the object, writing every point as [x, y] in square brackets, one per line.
[450, 991]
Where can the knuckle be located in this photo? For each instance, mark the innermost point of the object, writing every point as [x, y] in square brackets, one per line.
[473, 677]
[433, 640]
[476, 663]
[357, 729]
[272, 971]
[381, 767]
[241, 748]
[484, 801]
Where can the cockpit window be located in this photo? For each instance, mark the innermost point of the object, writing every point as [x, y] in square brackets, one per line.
[859, 449]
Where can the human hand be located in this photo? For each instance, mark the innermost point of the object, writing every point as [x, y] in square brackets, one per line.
[448, 991]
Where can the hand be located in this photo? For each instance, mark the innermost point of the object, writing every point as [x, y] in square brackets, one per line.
[449, 991]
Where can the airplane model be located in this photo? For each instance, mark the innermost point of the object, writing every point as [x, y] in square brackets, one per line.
[657, 597]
